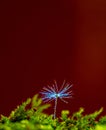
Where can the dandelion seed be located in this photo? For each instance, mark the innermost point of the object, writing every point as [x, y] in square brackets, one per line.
[51, 93]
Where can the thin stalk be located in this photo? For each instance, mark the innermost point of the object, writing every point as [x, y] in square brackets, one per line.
[55, 108]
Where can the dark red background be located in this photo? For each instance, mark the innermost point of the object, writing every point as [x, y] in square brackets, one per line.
[46, 40]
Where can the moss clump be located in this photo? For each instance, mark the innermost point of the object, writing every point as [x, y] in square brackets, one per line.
[30, 116]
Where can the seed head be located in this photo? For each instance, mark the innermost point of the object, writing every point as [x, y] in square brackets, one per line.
[51, 93]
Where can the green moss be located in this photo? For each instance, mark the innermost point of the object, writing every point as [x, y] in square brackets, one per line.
[30, 116]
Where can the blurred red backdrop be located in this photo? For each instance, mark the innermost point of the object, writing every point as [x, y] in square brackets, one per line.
[46, 40]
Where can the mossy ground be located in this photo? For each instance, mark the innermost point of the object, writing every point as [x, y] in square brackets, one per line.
[30, 116]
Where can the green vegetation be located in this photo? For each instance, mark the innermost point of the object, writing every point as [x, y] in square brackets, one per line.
[30, 116]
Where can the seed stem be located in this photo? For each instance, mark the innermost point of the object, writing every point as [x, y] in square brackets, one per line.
[55, 107]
